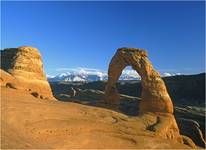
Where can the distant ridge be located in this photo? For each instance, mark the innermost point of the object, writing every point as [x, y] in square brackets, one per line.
[90, 75]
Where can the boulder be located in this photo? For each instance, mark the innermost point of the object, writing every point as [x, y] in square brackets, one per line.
[23, 69]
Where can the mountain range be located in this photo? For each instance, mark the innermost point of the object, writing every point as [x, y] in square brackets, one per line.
[89, 75]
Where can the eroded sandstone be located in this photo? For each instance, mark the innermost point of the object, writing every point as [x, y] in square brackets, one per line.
[156, 107]
[154, 93]
[23, 69]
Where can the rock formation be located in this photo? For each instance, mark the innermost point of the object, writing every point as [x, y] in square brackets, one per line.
[191, 129]
[156, 108]
[25, 68]
[154, 93]
[72, 92]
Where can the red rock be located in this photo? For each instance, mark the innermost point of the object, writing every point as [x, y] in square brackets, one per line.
[23, 69]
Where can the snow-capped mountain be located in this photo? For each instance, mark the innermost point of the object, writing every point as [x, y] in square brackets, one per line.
[88, 75]
[83, 74]
[70, 77]
[166, 74]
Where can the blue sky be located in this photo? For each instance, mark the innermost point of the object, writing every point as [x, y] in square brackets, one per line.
[87, 34]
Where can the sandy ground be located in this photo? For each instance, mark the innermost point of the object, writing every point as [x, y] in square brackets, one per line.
[29, 122]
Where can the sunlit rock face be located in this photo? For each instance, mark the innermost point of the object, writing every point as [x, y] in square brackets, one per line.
[156, 106]
[154, 93]
[25, 65]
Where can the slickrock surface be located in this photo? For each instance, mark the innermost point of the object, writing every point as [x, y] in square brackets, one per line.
[156, 106]
[6, 79]
[25, 66]
[29, 122]
[128, 104]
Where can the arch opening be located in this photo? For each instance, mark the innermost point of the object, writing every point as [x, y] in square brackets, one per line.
[128, 73]
[154, 96]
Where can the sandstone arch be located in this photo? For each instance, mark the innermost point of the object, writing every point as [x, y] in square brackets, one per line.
[154, 93]
[156, 108]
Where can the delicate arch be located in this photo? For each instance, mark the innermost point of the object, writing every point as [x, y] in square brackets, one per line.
[155, 97]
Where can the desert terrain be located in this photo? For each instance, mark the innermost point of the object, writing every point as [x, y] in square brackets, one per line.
[34, 116]
[102, 74]
[29, 122]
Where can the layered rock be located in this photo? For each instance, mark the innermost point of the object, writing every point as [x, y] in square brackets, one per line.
[191, 128]
[156, 107]
[7, 79]
[25, 66]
